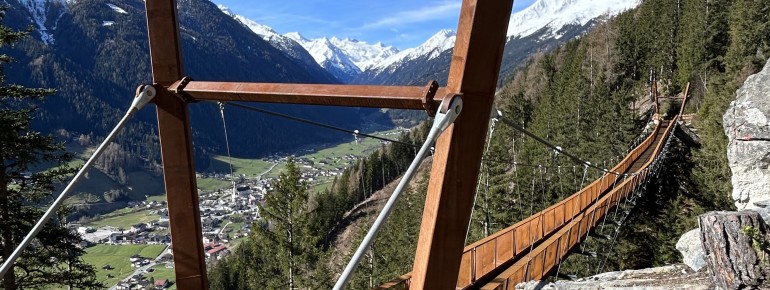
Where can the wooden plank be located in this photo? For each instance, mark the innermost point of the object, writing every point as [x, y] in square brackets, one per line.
[504, 248]
[473, 73]
[465, 275]
[176, 147]
[485, 259]
[522, 238]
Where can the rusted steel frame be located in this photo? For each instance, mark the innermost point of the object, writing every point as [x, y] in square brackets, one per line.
[474, 70]
[395, 97]
[512, 276]
[176, 147]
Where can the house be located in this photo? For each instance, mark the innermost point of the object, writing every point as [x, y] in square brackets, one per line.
[210, 238]
[217, 252]
[116, 238]
[161, 284]
[139, 227]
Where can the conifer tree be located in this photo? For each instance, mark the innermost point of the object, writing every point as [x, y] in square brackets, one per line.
[52, 260]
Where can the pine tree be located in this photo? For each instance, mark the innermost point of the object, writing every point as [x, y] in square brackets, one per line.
[52, 259]
[289, 249]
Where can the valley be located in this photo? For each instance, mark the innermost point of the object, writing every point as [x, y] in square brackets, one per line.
[226, 212]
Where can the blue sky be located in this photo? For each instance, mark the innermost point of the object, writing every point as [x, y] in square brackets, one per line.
[401, 23]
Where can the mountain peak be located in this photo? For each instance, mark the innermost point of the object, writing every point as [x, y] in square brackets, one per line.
[296, 36]
[442, 41]
[555, 14]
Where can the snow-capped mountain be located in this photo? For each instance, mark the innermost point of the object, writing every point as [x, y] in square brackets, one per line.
[329, 56]
[540, 27]
[344, 58]
[556, 14]
[44, 15]
[442, 41]
[283, 43]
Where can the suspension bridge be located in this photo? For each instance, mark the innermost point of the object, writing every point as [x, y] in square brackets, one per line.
[531, 249]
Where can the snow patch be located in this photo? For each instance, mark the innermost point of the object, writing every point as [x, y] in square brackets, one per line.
[38, 10]
[116, 8]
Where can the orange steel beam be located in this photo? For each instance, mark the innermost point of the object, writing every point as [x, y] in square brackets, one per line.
[176, 147]
[475, 67]
[396, 97]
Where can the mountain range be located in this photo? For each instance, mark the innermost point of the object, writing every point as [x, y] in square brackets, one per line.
[95, 53]
[539, 27]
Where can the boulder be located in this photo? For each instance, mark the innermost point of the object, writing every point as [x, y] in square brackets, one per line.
[660, 278]
[692, 250]
[748, 130]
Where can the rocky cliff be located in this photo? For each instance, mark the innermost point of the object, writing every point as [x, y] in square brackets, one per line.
[748, 131]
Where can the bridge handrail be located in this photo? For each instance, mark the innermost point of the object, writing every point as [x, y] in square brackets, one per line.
[582, 199]
[483, 256]
[588, 198]
[553, 250]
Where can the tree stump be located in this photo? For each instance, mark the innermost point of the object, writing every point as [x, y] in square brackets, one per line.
[730, 255]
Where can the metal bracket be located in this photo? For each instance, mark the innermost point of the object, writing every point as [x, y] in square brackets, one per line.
[178, 89]
[427, 102]
[451, 107]
[144, 94]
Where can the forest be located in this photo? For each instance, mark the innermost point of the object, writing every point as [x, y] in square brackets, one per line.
[590, 97]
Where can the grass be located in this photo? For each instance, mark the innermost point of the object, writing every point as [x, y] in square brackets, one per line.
[117, 257]
[249, 167]
[161, 272]
[124, 218]
[161, 197]
[212, 184]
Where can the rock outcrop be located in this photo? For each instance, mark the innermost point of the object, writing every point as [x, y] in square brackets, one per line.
[691, 248]
[666, 277]
[748, 130]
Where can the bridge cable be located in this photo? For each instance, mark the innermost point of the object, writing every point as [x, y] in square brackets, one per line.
[318, 124]
[144, 95]
[655, 168]
[227, 144]
[440, 123]
[498, 114]
[478, 185]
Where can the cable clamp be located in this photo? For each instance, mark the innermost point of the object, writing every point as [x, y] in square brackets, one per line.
[144, 94]
[450, 108]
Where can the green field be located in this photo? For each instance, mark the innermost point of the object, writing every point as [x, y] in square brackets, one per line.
[117, 257]
[161, 272]
[124, 218]
[249, 167]
[212, 184]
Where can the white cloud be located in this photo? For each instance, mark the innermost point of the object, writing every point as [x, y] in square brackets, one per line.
[441, 10]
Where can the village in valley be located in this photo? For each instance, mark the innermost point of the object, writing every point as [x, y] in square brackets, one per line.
[229, 203]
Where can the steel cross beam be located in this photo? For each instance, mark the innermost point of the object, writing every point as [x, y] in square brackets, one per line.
[473, 74]
[394, 97]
